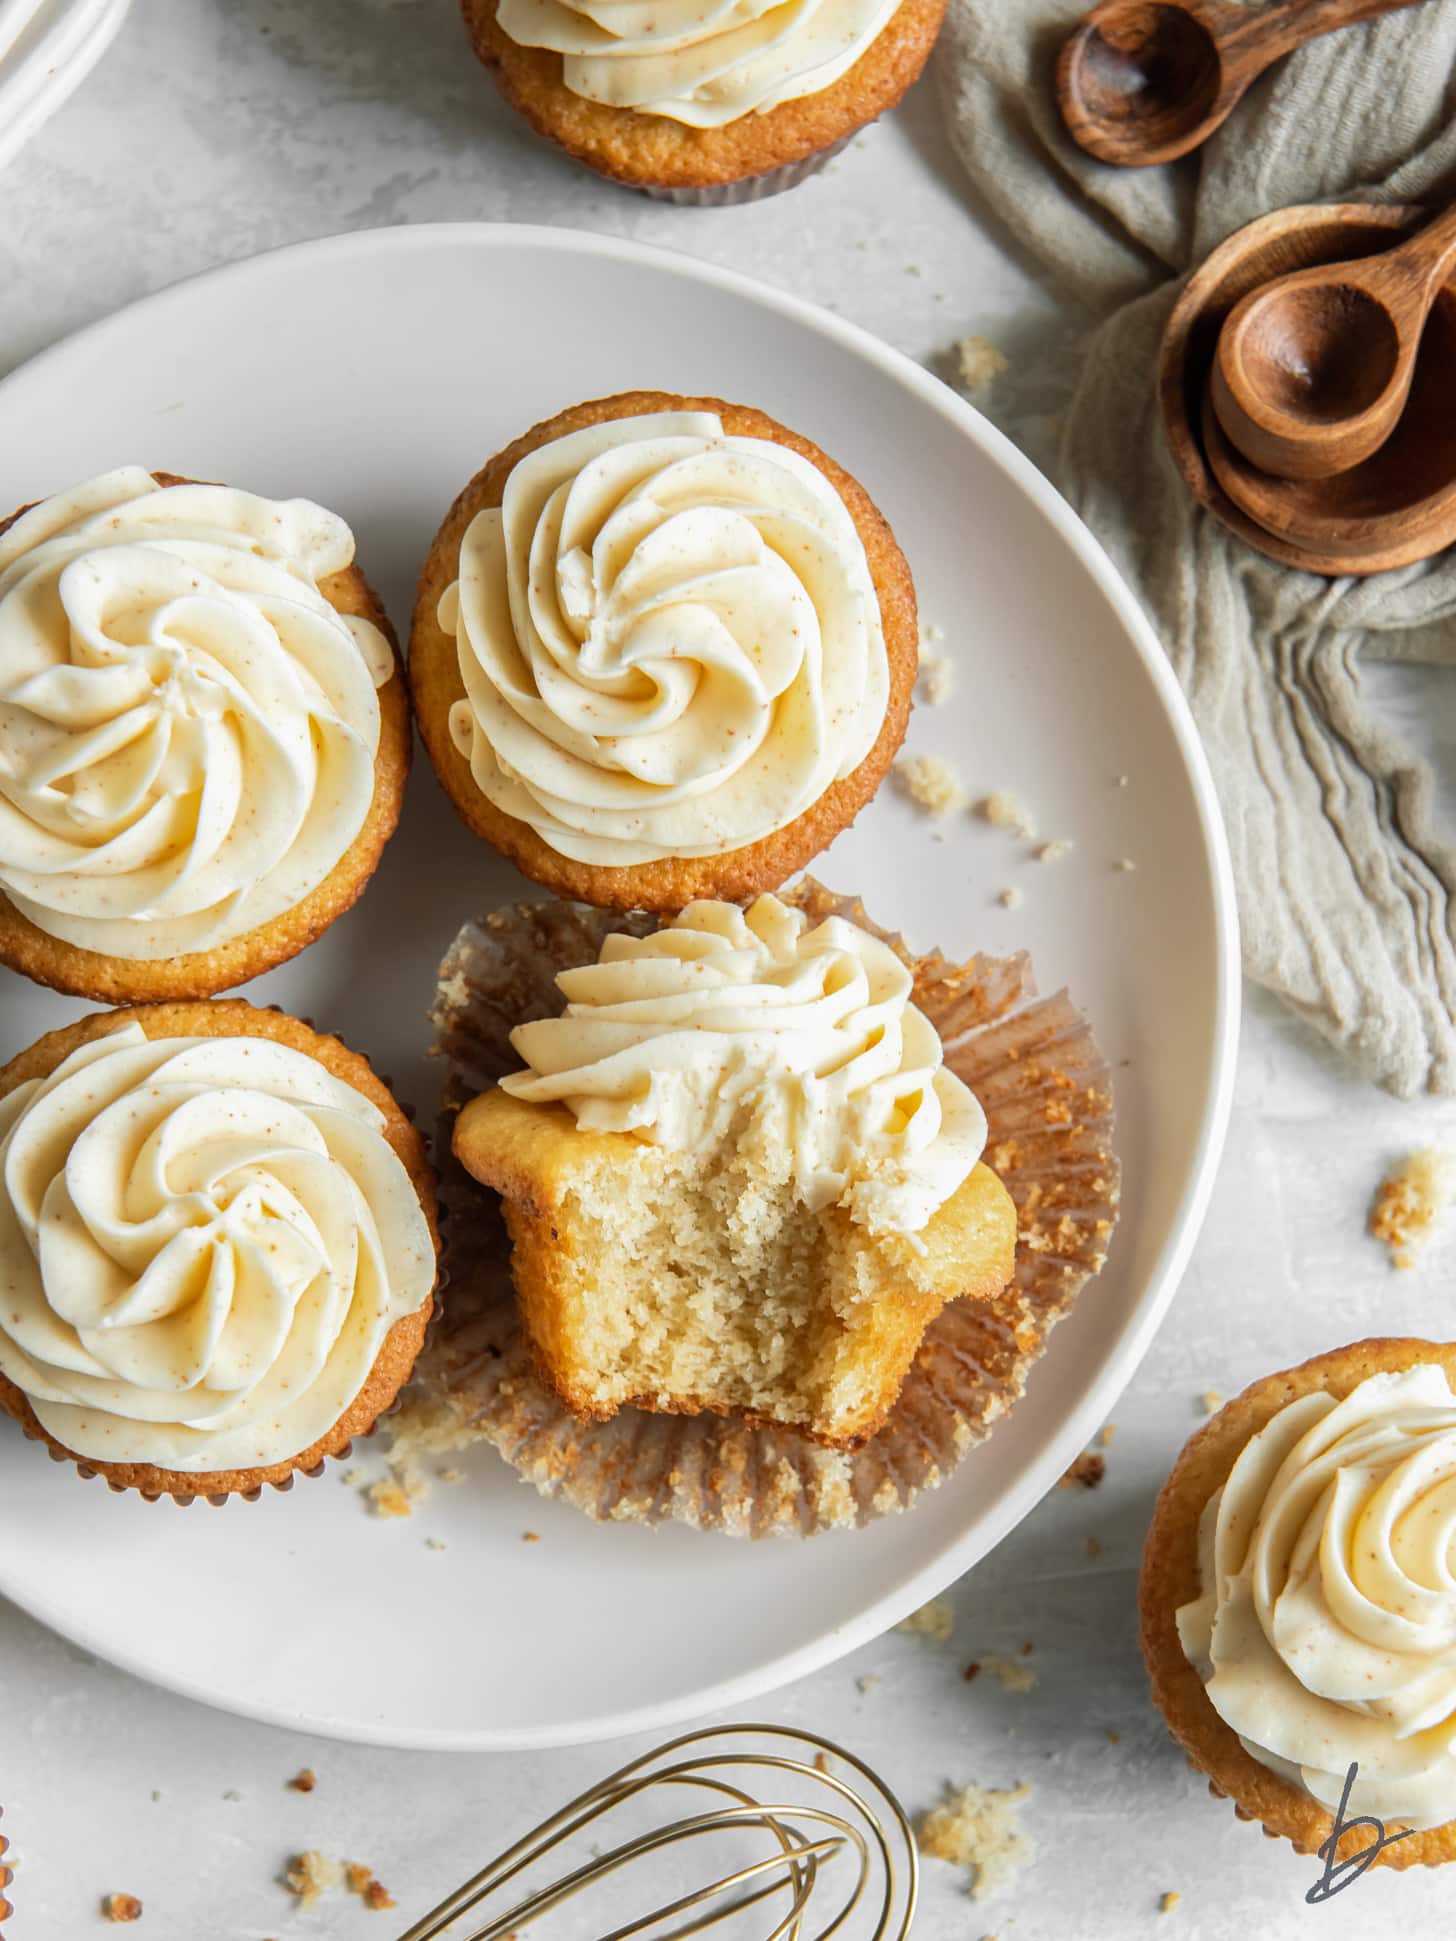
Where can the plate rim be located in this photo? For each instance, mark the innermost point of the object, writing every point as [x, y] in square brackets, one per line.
[1160, 1284]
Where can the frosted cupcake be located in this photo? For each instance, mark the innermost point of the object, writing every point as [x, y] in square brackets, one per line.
[695, 104]
[663, 649]
[738, 1176]
[1030, 1064]
[1299, 1602]
[217, 1246]
[204, 734]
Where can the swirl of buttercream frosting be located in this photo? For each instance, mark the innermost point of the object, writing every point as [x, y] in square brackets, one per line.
[669, 639]
[704, 65]
[728, 1024]
[203, 1244]
[187, 727]
[1325, 1628]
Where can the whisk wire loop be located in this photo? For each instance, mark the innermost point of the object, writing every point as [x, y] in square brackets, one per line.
[860, 1818]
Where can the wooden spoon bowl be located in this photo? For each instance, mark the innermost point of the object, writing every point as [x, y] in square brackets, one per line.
[1397, 507]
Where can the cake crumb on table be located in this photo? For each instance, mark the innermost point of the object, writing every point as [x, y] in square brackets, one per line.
[1088, 1471]
[303, 1782]
[1109, 1430]
[931, 783]
[1002, 810]
[868, 1682]
[310, 1875]
[389, 1498]
[1010, 899]
[1411, 1201]
[1210, 1401]
[975, 1827]
[936, 679]
[978, 363]
[121, 1907]
[935, 1620]
[1169, 1901]
[531, 1536]
[1011, 1673]
[451, 1475]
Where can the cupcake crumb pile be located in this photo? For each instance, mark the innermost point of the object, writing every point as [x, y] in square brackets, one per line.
[975, 1827]
[1411, 1202]
[935, 1620]
[931, 783]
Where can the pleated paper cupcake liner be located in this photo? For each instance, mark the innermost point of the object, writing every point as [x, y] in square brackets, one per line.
[1047, 1096]
[752, 188]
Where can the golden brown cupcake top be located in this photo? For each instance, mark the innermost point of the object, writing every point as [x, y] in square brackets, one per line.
[669, 639]
[188, 728]
[204, 1243]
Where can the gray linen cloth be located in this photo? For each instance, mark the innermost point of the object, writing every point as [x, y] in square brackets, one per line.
[1345, 885]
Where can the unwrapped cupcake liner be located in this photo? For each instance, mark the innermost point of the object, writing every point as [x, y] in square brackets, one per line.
[1047, 1096]
[752, 188]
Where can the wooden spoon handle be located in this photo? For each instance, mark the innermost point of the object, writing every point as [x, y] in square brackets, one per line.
[1273, 31]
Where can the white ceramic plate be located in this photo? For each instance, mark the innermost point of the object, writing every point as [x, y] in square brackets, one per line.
[376, 373]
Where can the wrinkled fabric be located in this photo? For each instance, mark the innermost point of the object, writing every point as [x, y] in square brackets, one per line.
[1345, 883]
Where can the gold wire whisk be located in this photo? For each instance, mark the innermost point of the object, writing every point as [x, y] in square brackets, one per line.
[855, 1821]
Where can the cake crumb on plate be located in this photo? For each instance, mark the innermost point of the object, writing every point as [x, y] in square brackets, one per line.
[1411, 1202]
[931, 783]
[1010, 899]
[1002, 810]
[1053, 851]
[975, 1827]
[935, 1620]
[936, 679]
[310, 1875]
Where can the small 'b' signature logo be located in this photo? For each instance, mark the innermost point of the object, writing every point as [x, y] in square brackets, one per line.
[1342, 1873]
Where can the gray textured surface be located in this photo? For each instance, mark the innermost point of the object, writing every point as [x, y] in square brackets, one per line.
[220, 127]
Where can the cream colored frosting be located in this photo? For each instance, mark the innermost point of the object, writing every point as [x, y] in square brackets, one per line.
[203, 1244]
[1325, 1630]
[703, 64]
[669, 638]
[726, 1024]
[187, 728]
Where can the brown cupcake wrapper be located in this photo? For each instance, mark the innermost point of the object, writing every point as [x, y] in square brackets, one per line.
[184, 1499]
[752, 188]
[1047, 1095]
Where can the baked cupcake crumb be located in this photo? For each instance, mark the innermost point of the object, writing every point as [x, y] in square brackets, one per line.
[1169, 1901]
[121, 1908]
[931, 783]
[935, 1620]
[1011, 899]
[868, 1683]
[1053, 851]
[1210, 1401]
[978, 363]
[303, 1782]
[1013, 1674]
[975, 1827]
[310, 1875]
[1003, 811]
[1087, 1471]
[1411, 1202]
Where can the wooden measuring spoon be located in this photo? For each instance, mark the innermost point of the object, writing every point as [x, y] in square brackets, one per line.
[1143, 81]
[1313, 371]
